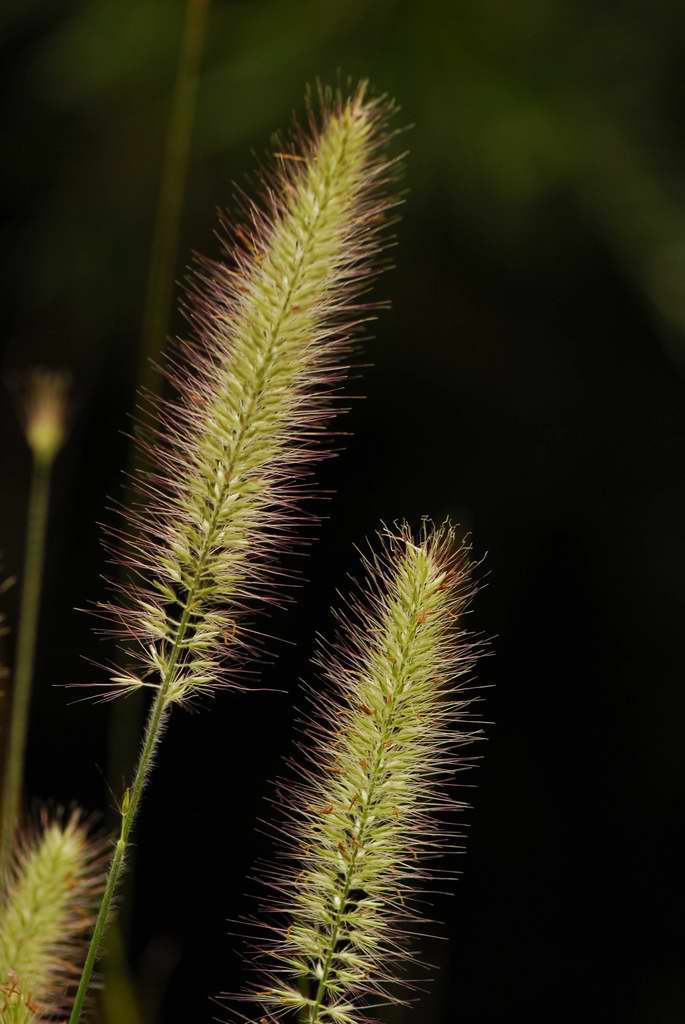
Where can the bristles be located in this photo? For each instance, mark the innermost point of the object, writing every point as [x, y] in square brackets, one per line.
[256, 392]
[363, 814]
[46, 911]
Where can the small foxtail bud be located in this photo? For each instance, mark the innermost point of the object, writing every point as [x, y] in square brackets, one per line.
[45, 414]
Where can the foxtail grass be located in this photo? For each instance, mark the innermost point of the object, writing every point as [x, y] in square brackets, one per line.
[255, 394]
[45, 426]
[365, 801]
[49, 894]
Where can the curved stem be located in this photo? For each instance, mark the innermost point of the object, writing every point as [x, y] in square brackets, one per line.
[34, 559]
[153, 730]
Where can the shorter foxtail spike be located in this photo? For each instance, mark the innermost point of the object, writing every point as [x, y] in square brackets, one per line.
[363, 818]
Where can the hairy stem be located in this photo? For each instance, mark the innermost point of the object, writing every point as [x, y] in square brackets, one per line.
[153, 730]
[34, 558]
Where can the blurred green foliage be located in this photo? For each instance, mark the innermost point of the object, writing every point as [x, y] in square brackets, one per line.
[511, 103]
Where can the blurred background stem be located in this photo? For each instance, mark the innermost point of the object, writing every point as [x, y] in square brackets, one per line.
[160, 286]
[34, 559]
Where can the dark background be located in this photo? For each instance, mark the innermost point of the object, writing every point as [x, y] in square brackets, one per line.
[528, 381]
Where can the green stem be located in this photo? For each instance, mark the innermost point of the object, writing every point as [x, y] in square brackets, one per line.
[153, 730]
[127, 818]
[34, 558]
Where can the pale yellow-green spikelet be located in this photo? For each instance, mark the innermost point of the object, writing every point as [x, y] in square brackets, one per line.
[364, 807]
[256, 393]
[46, 909]
[45, 414]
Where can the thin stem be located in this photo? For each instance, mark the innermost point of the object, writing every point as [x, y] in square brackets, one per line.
[34, 558]
[153, 730]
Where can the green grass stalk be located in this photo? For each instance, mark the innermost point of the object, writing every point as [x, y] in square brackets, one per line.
[254, 401]
[129, 811]
[45, 434]
[32, 577]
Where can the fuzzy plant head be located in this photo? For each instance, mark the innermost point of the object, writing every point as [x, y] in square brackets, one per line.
[377, 757]
[45, 414]
[46, 909]
[256, 391]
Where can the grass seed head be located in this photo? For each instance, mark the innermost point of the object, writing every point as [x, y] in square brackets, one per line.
[255, 393]
[364, 811]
